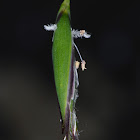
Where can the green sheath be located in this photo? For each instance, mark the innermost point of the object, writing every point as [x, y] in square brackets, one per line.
[62, 52]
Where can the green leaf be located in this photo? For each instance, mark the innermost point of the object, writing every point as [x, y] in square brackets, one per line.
[62, 53]
[65, 68]
[65, 71]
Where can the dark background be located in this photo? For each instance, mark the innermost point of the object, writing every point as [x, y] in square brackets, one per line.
[108, 104]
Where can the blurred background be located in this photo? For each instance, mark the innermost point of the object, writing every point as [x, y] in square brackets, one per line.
[108, 105]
